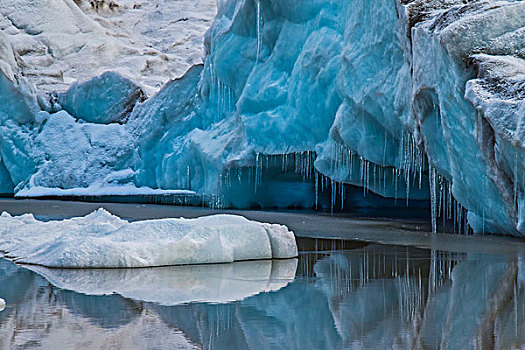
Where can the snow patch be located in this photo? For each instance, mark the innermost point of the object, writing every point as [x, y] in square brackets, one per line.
[99, 190]
[149, 42]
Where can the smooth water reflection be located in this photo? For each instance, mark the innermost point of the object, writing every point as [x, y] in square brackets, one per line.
[376, 297]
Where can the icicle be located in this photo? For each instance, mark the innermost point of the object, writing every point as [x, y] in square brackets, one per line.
[257, 172]
[375, 177]
[188, 174]
[219, 97]
[351, 173]
[433, 189]
[342, 195]
[332, 196]
[384, 150]
[384, 179]
[259, 34]
[407, 190]
[367, 176]
[361, 172]
[396, 175]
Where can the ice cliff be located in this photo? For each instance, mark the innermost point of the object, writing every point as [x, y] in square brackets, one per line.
[408, 99]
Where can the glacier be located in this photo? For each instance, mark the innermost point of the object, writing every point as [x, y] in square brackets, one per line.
[102, 240]
[410, 100]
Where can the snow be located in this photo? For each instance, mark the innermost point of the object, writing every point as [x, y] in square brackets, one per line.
[219, 283]
[102, 240]
[99, 190]
[149, 42]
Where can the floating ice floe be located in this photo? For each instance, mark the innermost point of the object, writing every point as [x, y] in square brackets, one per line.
[101, 240]
[2, 304]
[174, 285]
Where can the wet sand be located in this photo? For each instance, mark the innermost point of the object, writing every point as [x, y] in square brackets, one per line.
[304, 224]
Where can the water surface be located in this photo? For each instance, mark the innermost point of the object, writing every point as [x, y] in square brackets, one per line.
[337, 295]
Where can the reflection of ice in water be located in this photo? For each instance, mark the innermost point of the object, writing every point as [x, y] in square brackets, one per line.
[392, 299]
[217, 283]
[376, 297]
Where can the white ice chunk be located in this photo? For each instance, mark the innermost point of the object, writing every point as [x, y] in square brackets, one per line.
[101, 239]
[282, 242]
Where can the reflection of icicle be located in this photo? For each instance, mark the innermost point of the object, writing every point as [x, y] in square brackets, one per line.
[432, 275]
[316, 191]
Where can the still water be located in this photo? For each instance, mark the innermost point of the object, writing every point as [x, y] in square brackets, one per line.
[334, 296]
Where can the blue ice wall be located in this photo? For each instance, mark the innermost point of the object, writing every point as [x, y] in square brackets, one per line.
[408, 99]
[387, 90]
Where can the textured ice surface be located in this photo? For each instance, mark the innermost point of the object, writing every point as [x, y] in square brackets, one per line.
[104, 99]
[417, 99]
[103, 240]
[58, 151]
[219, 283]
[58, 42]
